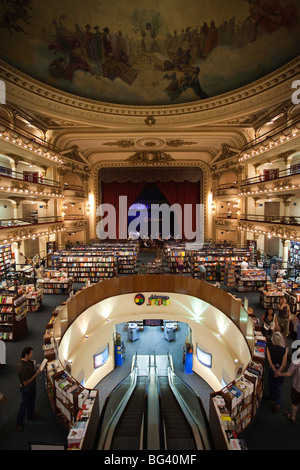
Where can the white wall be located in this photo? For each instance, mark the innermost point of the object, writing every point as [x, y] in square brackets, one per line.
[211, 329]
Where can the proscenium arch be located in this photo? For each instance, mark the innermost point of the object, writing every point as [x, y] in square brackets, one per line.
[205, 181]
[219, 323]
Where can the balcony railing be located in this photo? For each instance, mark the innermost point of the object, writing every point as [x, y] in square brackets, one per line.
[281, 127]
[9, 173]
[13, 127]
[73, 190]
[225, 215]
[74, 217]
[294, 170]
[16, 222]
[273, 219]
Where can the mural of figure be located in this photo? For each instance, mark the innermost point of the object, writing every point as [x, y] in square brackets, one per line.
[149, 43]
[97, 40]
[211, 39]
[270, 15]
[189, 80]
[88, 42]
[78, 35]
[120, 48]
[202, 38]
[106, 40]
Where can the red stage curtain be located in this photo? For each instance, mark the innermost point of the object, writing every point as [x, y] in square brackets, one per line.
[111, 193]
[182, 193]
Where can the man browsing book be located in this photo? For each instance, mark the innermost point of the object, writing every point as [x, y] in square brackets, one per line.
[27, 373]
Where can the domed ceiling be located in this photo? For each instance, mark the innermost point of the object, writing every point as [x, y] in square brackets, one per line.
[148, 53]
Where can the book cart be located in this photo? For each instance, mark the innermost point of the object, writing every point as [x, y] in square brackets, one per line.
[234, 407]
[270, 295]
[250, 280]
[76, 406]
[13, 313]
[55, 282]
[34, 297]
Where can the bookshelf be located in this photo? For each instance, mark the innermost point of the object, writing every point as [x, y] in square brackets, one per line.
[13, 312]
[294, 255]
[76, 406]
[233, 408]
[230, 260]
[126, 261]
[88, 265]
[230, 272]
[48, 341]
[292, 293]
[173, 253]
[5, 259]
[208, 255]
[270, 298]
[97, 261]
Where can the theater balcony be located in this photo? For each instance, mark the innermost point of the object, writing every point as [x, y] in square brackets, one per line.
[18, 183]
[284, 227]
[75, 223]
[227, 190]
[272, 183]
[19, 136]
[223, 221]
[19, 229]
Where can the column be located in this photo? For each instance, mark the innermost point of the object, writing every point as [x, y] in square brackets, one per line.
[285, 252]
[17, 254]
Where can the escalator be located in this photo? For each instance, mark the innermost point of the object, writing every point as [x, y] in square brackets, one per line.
[153, 409]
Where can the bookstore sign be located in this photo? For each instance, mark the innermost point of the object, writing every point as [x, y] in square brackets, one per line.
[158, 300]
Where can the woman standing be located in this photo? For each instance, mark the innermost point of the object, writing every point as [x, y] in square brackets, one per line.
[284, 317]
[269, 322]
[277, 358]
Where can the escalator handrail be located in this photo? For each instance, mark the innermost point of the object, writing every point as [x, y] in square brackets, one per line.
[102, 415]
[162, 426]
[161, 437]
[197, 427]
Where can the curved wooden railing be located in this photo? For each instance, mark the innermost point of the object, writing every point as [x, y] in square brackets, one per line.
[216, 297]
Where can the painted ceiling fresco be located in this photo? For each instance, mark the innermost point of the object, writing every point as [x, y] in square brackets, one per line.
[148, 53]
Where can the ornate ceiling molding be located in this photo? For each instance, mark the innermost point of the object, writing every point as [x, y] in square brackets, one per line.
[23, 90]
